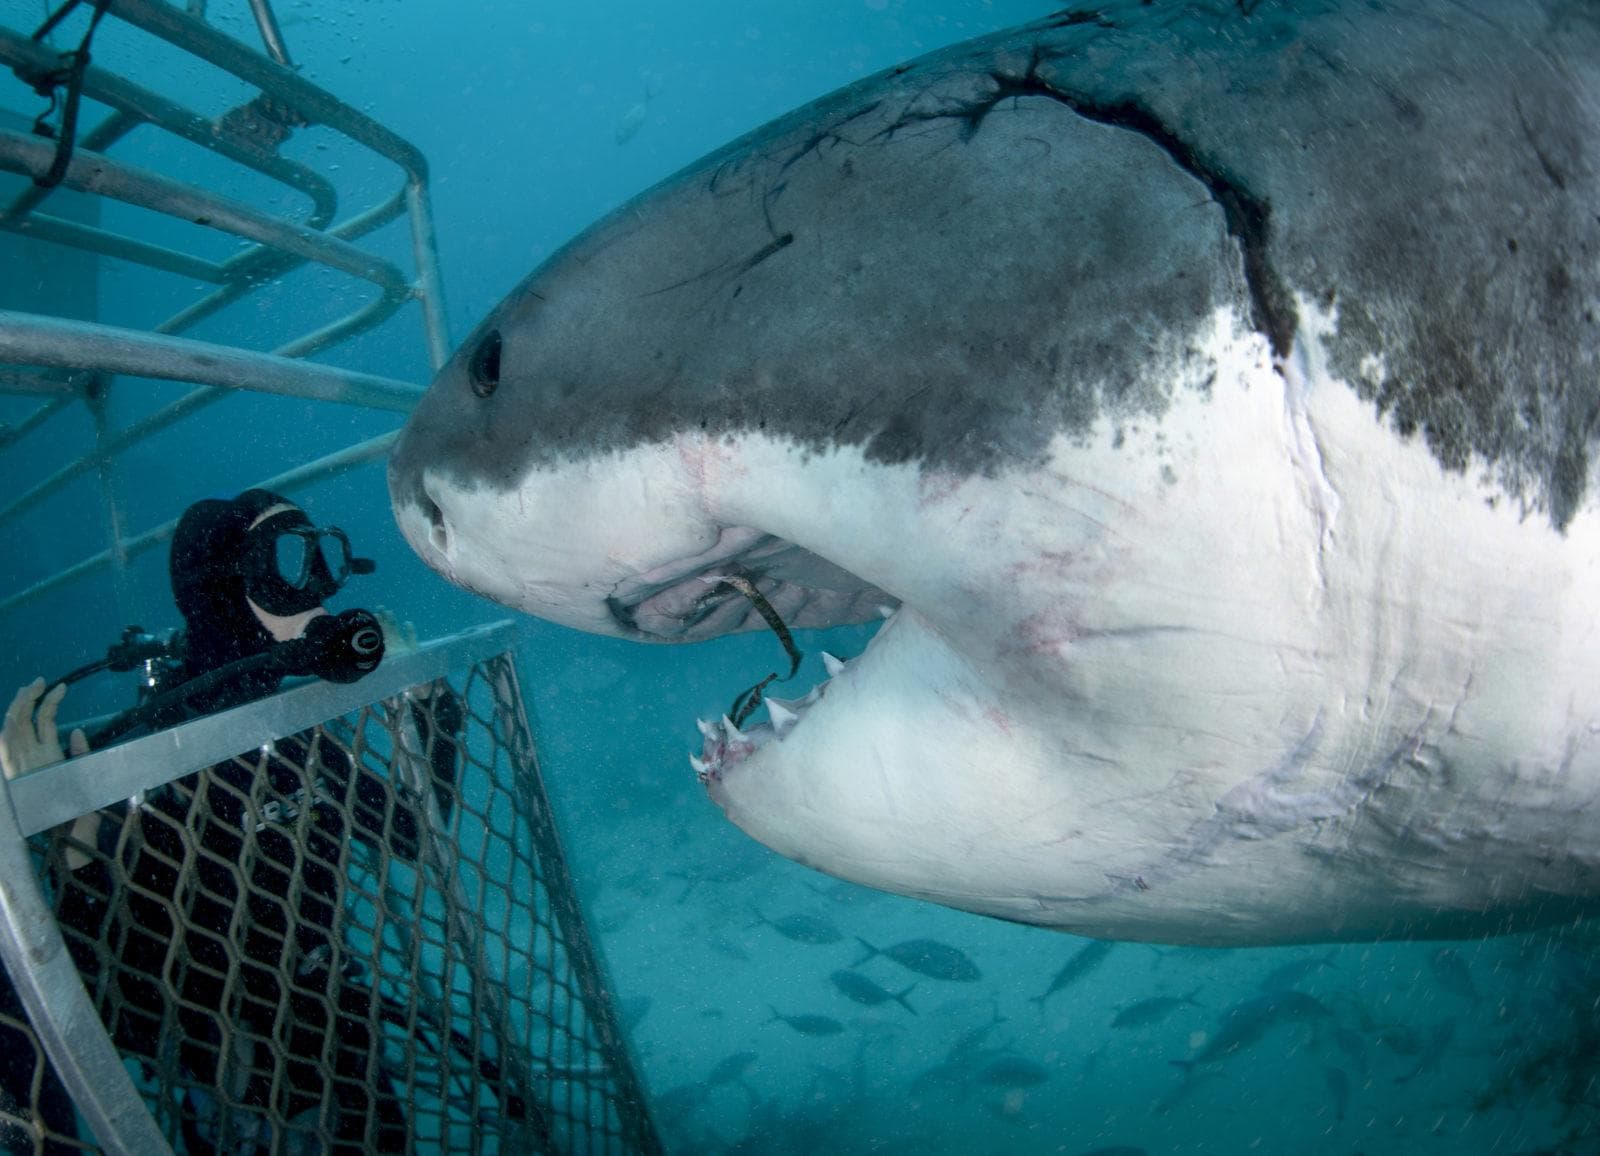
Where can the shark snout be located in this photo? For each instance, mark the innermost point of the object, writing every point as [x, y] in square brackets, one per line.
[419, 504]
[433, 523]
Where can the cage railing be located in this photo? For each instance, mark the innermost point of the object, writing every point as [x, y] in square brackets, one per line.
[67, 363]
[289, 483]
[458, 949]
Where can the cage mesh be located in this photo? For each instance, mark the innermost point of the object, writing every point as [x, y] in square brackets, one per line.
[358, 938]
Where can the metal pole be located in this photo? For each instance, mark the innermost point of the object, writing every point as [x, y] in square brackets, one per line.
[271, 34]
[315, 104]
[97, 398]
[435, 857]
[15, 433]
[286, 483]
[107, 446]
[243, 271]
[430, 284]
[101, 137]
[44, 227]
[28, 339]
[47, 983]
[141, 106]
[588, 966]
[98, 173]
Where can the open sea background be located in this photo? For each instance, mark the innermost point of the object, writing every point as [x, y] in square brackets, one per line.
[537, 118]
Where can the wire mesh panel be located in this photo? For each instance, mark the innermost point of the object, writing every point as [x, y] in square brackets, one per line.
[359, 937]
[35, 1111]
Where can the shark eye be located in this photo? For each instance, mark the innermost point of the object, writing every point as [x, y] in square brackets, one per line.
[484, 368]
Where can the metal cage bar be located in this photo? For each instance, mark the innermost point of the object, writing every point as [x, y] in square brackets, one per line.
[394, 956]
[320, 107]
[248, 137]
[288, 483]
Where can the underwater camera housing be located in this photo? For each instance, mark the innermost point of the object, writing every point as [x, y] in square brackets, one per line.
[341, 647]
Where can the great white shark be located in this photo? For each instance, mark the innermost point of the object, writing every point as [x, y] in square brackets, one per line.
[1210, 392]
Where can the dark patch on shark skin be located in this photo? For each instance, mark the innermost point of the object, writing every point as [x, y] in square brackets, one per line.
[806, 346]
[1486, 351]
[1272, 310]
[1433, 182]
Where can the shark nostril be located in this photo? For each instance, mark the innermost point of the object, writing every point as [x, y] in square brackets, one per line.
[438, 528]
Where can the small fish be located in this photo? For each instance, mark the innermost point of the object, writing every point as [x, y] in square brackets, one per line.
[863, 990]
[744, 861]
[813, 929]
[971, 1042]
[729, 1069]
[1432, 1053]
[1245, 1023]
[722, 945]
[1153, 1010]
[1193, 1080]
[631, 121]
[926, 957]
[1014, 1072]
[1083, 961]
[1450, 972]
[1401, 1039]
[1285, 976]
[809, 1025]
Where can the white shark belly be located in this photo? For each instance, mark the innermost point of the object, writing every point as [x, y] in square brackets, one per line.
[1282, 677]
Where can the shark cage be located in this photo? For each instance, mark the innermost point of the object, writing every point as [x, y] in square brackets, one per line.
[335, 919]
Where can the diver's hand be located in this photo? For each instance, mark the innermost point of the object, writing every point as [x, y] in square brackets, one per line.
[27, 743]
[398, 637]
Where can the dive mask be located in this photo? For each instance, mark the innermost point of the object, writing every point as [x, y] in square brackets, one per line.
[291, 566]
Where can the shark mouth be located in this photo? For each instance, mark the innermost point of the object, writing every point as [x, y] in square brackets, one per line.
[684, 601]
[710, 595]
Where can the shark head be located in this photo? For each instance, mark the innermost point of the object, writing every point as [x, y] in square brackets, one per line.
[1069, 384]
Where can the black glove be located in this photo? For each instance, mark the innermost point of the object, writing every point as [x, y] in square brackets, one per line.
[338, 647]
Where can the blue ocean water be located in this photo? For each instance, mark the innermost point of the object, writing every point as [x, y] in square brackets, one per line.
[536, 119]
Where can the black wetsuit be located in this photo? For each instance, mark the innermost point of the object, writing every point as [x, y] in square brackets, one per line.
[224, 897]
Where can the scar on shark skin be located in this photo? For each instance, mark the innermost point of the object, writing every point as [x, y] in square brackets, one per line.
[747, 701]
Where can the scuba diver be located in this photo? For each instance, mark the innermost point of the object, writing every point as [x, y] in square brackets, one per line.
[204, 916]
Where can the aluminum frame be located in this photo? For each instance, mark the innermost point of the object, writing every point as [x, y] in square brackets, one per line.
[67, 363]
[64, 1016]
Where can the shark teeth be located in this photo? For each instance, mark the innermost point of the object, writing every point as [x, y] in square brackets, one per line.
[782, 717]
[725, 744]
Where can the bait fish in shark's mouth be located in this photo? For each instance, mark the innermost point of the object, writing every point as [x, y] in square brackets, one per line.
[1211, 395]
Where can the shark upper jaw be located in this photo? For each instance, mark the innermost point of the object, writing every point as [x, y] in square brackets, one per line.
[648, 564]
[630, 545]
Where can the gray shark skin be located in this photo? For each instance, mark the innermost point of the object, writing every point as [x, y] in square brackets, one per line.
[1208, 393]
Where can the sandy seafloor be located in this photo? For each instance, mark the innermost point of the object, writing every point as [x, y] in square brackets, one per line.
[537, 118]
